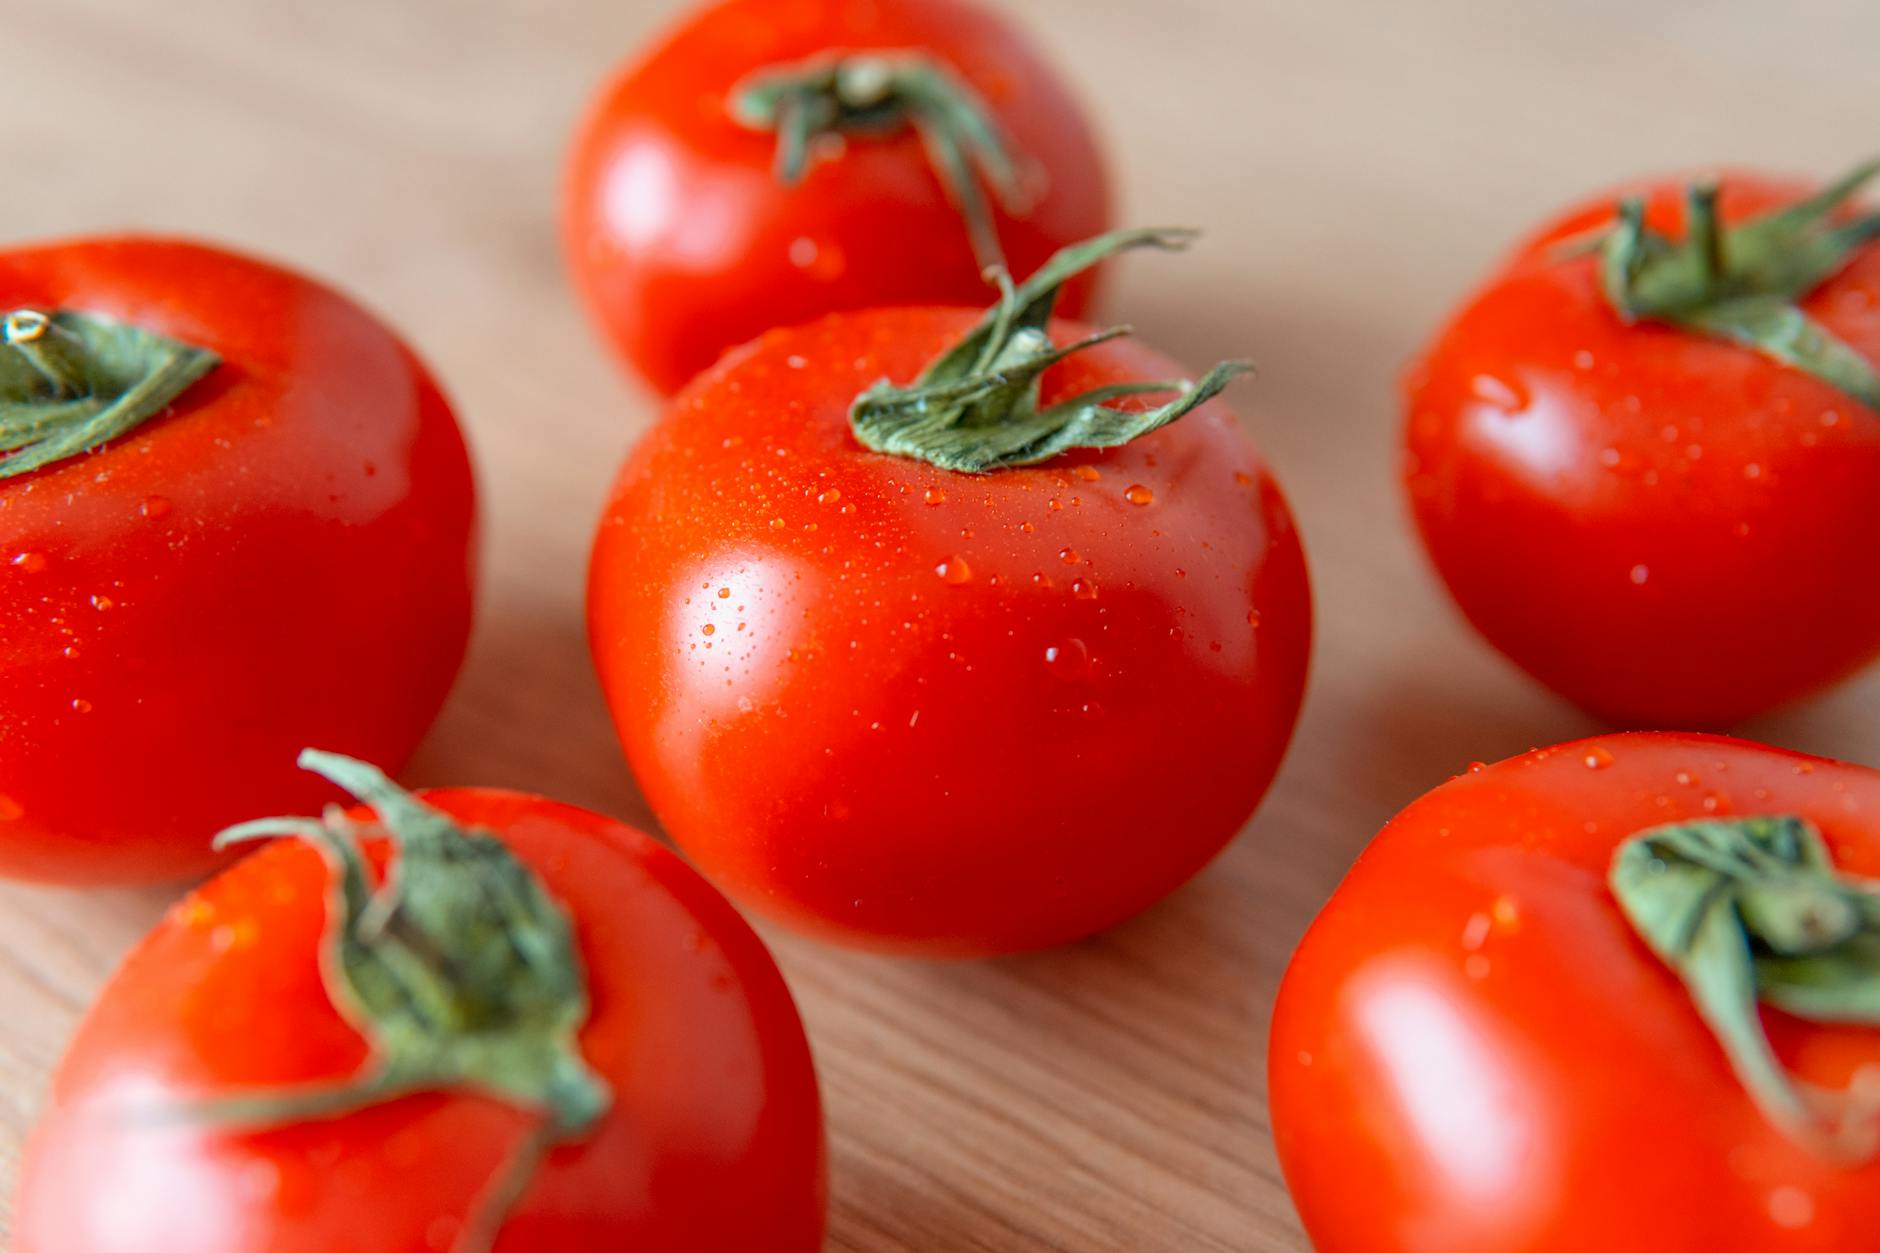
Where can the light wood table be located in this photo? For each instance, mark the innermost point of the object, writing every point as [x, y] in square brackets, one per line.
[1357, 165]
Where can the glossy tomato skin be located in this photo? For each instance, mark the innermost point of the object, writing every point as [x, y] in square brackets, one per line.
[1473, 1053]
[284, 557]
[714, 1143]
[684, 243]
[938, 713]
[1664, 528]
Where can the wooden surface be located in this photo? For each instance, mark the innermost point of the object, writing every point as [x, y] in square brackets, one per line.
[1358, 164]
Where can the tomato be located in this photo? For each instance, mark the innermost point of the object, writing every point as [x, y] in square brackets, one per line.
[1475, 1050]
[707, 1137]
[684, 240]
[939, 712]
[284, 553]
[1657, 520]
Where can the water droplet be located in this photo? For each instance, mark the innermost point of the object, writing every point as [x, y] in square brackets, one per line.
[1068, 556]
[70, 650]
[1083, 589]
[1598, 757]
[1609, 457]
[829, 497]
[1752, 471]
[1139, 495]
[776, 524]
[102, 602]
[724, 593]
[820, 259]
[795, 361]
[1088, 474]
[1091, 709]
[155, 506]
[1041, 579]
[81, 705]
[31, 563]
[1069, 660]
[1253, 617]
[1476, 767]
[1792, 1208]
[954, 570]
[935, 495]
[1583, 360]
[1055, 506]
[1242, 477]
[708, 629]
[1639, 574]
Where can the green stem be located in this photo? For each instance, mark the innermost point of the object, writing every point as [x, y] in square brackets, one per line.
[459, 969]
[848, 93]
[1743, 283]
[70, 382]
[976, 408]
[1749, 911]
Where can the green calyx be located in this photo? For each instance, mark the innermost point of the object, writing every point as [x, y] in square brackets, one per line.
[976, 407]
[1742, 283]
[1749, 911]
[70, 382]
[459, 969]
[879, 91]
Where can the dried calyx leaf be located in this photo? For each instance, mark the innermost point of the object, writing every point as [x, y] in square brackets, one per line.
[1749, 911]
[1742, 283]
[845, 93]
[71, 381]
[458, 968]
[976, 407]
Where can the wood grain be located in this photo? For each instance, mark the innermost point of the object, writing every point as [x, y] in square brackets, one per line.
[1357, 164]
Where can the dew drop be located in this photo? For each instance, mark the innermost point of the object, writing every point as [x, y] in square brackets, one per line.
[829, 497]
[1069, 660]
[1068, 556]
[935, 495]
[1598, 757]
[1253, 617]
[102, 602]
[776, 524]
[1088, 474]
[155, 506]
[724, 593]
[708, 629]
[1139, 495]
[954, 570]
[1639, 574]
[1083, 589]
[81, 705]
[32, 563]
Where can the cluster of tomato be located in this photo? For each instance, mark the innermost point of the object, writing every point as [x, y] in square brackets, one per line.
[940, 629]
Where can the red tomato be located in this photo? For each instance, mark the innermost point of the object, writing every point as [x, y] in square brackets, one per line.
[284, 555]
[712, 1142]
[1473, 1052]
[935, 712]
[1660, 525]
[684, 241]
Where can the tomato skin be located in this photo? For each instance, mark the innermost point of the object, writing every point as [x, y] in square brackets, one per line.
[684, 243]
[830, 667]
[1659, 526]
[1473, 1053]
[692, 1027]
[284, 557]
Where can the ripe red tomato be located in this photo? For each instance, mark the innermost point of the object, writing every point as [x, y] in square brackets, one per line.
[708, 1139]
[1661, 524]
[685, 241]
[937, 712]
[1474, 1051]
[284, 554]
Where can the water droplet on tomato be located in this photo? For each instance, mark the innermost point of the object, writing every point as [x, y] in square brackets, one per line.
[1685, 778]
[1598, 757]
[1139, 495]
[81, 705]
[708, 629]
[1088, 474]
[829, 497]
[1092, 710]
[935, 495]
[1068, 556]
[1083, 589]
[1041, 579]
[1253, 617]
[1026, 527]
[1069, 660]
[155, 506]
[1476, 767]
[954, 570]
[1639, 574]
[724, 593]
[102, 602]
[776, 524]
[31, 563]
